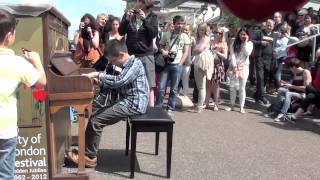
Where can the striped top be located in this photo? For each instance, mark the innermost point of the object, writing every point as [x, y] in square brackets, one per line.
[13, 71]
[131, 83]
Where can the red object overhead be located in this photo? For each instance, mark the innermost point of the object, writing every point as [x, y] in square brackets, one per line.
[259, 10]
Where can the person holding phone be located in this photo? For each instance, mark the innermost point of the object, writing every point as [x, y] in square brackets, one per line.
[240, 51]
[87, 42]
[140, 25]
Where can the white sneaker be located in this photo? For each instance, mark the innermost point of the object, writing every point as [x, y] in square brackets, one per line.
[229, 108]
[279, 117]
[170, 113]
[269, 115]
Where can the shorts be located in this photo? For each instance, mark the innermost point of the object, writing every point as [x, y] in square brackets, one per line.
[149, 67]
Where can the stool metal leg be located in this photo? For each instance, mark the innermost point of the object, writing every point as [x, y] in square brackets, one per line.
[157, 143]
[133, 151]
[127, 138]
[169, 150]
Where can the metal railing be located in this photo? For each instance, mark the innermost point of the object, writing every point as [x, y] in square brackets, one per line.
[307, 39]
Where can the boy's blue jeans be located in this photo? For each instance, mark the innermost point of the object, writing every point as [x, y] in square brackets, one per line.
[7, 158]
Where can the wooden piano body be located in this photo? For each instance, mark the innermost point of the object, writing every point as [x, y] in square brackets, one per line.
[45, 30]
[67, 88]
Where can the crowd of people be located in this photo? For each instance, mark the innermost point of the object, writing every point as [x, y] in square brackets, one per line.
[156, 59]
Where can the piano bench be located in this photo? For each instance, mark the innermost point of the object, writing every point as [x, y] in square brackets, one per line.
[154, 120]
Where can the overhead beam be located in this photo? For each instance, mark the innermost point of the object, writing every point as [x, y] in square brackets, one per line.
[175, 3]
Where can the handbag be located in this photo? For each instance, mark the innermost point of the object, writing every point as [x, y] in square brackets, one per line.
[159, 60]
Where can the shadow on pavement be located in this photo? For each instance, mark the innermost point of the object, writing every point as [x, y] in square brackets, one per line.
[114, 161]
[302, 125]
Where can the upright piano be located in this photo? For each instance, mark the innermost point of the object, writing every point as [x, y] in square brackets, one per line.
[67, 87]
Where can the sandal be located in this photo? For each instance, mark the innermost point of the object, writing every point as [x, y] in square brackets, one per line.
[242, 111]
[215, 107]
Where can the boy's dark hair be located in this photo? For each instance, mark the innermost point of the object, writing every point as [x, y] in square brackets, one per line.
[114, 47]
[7, 24]
[294, 62]
[177, 18]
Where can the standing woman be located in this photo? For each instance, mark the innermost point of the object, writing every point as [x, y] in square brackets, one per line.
[219, 48]
[203, 64]
[87, 42]
[186, 68]
[240, 51]
[114, 33]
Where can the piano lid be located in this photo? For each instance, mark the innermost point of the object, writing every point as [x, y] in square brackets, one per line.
[64, 64]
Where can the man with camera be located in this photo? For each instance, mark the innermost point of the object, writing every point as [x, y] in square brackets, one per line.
[141, 27]
[174, 46]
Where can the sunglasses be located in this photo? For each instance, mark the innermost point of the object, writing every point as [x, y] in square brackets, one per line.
[218, 32]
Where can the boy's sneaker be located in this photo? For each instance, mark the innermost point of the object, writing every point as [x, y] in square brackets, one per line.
[291, 119]
[74, 157]
[279, 117]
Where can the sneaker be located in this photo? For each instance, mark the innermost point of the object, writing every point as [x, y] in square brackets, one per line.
[269, 115]
[279, 117]
[265, 101]
[229, 108]
[307, 113]
[291, 119]
[196, 109]
[170, 113]
[74, 157]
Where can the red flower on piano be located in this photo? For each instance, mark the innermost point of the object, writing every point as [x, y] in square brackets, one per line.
[38, 94]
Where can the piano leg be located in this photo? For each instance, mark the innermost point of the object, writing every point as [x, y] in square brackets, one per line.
[81, 139]
[52, 147]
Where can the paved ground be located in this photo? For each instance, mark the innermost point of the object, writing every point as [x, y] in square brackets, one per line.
[217, 145]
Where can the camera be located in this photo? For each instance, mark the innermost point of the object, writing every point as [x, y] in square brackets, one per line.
[171, 56]
[135, 11]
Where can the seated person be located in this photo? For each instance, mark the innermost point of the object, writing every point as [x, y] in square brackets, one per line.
[133, 89]
[104, 96]
[294, 89]
[312, 97]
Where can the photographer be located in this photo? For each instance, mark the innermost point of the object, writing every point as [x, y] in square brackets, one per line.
[174, 46]
[87, 42]
[141, 27]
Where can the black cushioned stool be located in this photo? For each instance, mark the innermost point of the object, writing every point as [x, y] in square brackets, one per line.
[154, 120]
